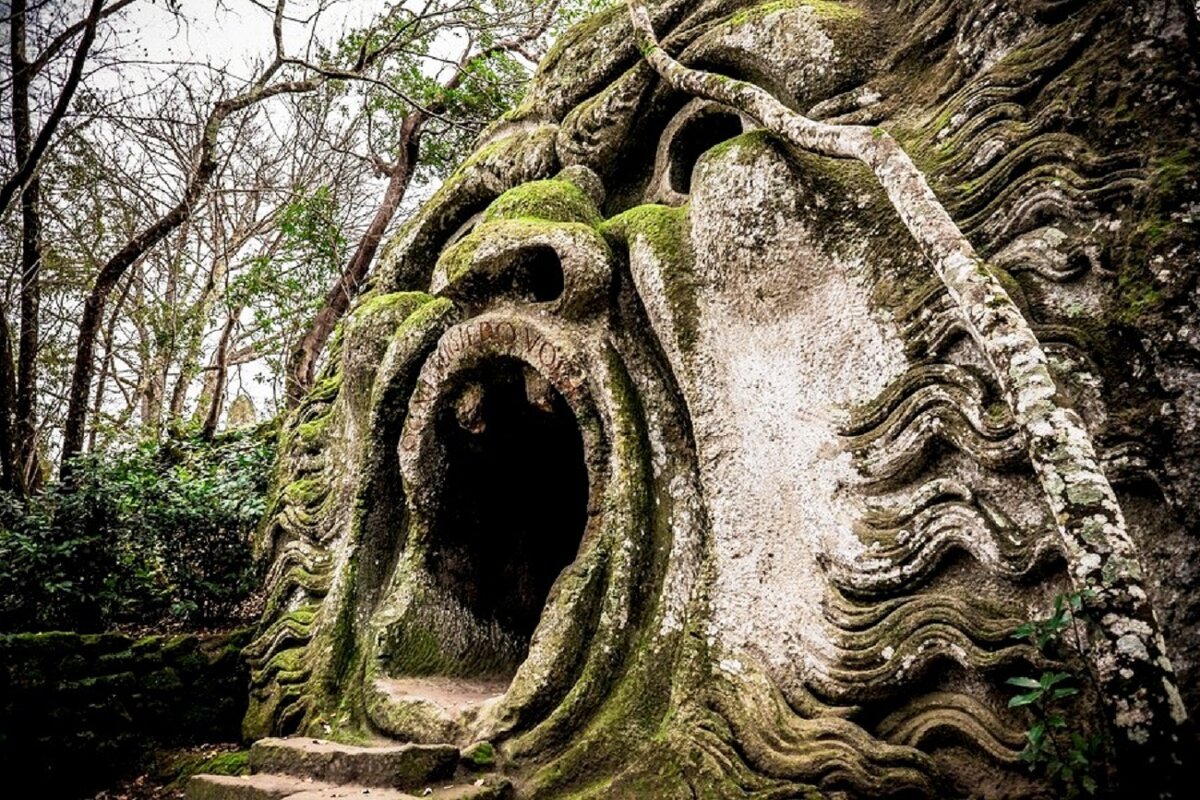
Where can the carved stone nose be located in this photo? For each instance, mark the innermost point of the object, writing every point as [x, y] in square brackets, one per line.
[539, 244]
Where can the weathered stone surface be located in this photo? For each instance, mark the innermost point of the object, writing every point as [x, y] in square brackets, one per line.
[250, 787]
[406, 766]
[662, 456]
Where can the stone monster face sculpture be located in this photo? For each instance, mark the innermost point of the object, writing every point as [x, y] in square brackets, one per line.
[658, 456]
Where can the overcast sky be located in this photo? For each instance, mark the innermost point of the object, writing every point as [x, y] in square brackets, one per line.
[230, 33]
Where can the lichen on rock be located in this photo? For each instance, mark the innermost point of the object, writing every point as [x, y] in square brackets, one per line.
[671, 460]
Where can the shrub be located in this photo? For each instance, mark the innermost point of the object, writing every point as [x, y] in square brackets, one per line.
[157, 532]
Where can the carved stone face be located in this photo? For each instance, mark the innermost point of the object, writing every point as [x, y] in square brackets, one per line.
[657, 455]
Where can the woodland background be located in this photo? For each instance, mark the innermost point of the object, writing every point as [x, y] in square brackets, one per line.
[179, 237]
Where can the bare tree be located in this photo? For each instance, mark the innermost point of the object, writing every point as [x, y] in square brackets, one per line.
[28, 153]
[525, 26]
[275, 79]
[180, 228]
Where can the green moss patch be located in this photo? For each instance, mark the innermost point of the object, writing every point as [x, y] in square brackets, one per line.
[552, 200]
[829, 9]
[665, 231]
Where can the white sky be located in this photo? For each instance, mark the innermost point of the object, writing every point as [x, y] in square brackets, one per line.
[232, 33]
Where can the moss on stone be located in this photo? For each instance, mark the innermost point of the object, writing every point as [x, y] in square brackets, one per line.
[402, 302]
[480, 755]
[326, 389]
[459, 260]
[312, 431]
[828, 9]
[665, 231]
[235, 763]
[1137, 296]
[306, 491]
[422, 316]
[745, 147]
[581, 31]
[553, 200]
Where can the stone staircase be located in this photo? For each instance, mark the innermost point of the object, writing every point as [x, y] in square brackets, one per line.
[311, 769]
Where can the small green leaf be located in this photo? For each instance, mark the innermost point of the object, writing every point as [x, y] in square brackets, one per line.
[1025, 699]
[1049, 679]
[1024, 683]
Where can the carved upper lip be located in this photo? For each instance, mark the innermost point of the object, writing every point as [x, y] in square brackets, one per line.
[481, 268]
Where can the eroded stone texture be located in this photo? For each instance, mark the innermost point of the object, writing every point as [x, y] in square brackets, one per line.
[658, 455]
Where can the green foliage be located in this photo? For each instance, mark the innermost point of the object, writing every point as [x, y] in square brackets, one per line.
[286, 286]
[157, 532]
[311, 250]
[414, 76]
[1060, 744]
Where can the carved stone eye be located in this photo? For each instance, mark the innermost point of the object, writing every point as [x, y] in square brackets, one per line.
[537, 275]
[697, 128]
[464, 229]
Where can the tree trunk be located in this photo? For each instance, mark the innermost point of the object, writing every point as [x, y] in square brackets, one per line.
[189, 365]
[10, 476]
[303, 362]
[106, 362]
[218, 395]
[24, 430]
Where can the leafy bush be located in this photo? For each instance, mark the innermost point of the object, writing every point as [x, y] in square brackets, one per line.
[156, 533]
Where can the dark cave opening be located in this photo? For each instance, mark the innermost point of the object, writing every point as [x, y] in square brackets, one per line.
[513, 505]
[538, 275]
[696, 137]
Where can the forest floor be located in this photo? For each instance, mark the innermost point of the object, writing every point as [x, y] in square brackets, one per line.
[166, 779]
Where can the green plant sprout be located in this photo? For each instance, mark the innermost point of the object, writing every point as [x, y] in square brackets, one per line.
[1068, 756]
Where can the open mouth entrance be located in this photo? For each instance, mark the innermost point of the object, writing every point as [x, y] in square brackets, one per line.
[514, 503]
[504, 485]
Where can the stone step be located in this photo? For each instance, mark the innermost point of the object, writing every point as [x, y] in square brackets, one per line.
[265, 786]
[248, 787]
[401, 766]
